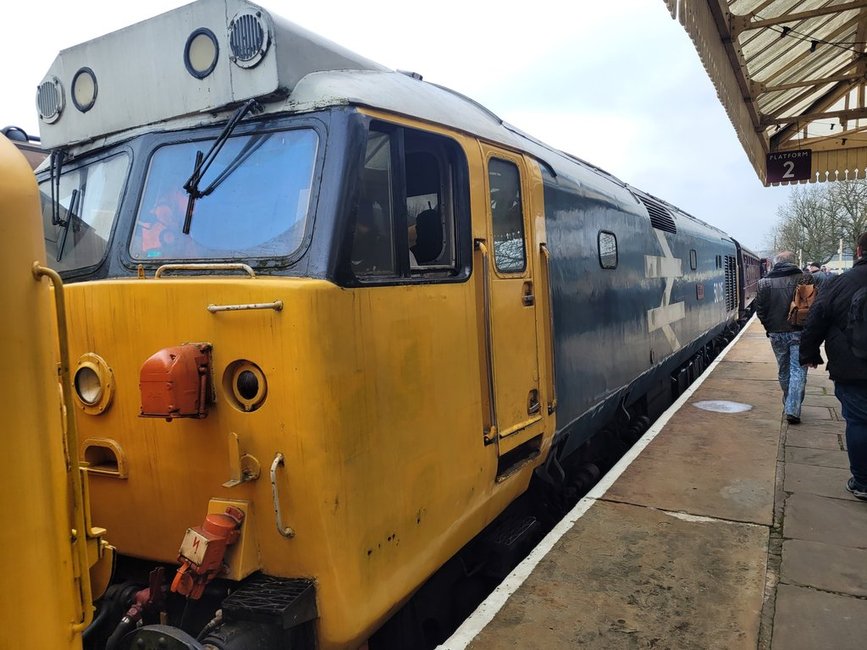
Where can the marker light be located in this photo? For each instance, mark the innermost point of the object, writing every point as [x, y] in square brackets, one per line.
[84, 89]
[87, 385]
[201, 52]
[49, 100]
[248, 39]
[245, 385]
[94, 383]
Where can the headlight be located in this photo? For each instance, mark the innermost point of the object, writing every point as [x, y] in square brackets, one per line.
[245, 385]
[94, 383]
[87, 385]
[84, 89]
[201, 52]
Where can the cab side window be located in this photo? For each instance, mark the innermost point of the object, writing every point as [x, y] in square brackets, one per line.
[411, 190]
[507, 216]
[373, 236]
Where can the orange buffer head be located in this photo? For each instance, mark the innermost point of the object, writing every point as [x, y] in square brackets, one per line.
[203, 550]
[176, 382]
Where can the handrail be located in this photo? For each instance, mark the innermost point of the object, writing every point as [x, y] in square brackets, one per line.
[216, 266]
[546, 264]
[491, 433]
[79, 532]
[277, 305]
[286, 531]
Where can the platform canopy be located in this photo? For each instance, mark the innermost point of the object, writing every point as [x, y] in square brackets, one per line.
[791, 75]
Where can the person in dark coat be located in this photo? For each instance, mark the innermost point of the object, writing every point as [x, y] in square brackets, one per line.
[828, 321]
[773, 300]
[819, 276]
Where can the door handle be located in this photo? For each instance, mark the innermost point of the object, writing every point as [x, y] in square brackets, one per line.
[528, 298]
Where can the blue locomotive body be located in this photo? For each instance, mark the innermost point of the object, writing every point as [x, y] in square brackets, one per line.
[638, 289]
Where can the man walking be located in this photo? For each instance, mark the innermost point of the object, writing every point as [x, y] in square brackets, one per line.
[829, 321]
[773, 299]
[819, 275]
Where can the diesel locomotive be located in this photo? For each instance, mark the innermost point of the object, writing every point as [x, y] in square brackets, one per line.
[330, 326]
[55, 561]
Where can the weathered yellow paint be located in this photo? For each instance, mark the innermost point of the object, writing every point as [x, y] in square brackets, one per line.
[242, 557]
[372, 399]
[39, 601]
[514, 324]
[544, 311]
[375, 397]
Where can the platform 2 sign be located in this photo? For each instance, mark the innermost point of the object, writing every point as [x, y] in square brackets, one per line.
[788, 166]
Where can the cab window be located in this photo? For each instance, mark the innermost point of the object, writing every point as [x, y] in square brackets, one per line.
[405, 213]
[78, 224]
[373, 237]
[507, 216]
[256, 203]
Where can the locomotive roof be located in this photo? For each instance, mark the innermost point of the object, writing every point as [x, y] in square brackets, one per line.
[195, 64]
[293, 70]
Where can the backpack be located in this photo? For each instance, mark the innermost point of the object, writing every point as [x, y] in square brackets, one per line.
[805, 296]
[856, 328]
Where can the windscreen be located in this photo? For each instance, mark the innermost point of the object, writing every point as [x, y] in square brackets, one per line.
[256, 198]
[77, 232]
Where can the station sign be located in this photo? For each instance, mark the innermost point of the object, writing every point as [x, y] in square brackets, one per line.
[789, 166]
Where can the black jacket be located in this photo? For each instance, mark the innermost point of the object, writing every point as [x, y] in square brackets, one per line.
[774, 297]
[822, 277]
[827, 322]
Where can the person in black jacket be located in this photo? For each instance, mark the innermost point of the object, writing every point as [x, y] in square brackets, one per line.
[819, 276]
[828, 321]
[773, 300]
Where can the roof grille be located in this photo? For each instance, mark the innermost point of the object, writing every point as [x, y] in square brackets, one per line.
[49, 100]
[660, 217]
[248, 40]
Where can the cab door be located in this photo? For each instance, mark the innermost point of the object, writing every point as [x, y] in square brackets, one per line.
[515, 407]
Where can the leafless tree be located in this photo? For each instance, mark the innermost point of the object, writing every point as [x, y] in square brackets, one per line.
[848, 201]
[811, 221]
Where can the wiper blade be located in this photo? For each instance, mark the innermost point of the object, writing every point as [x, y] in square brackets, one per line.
[248, 150]
[203, 161]
[74, 203]
[55, 167]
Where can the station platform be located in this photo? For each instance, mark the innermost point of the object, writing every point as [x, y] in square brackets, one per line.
[722, 528]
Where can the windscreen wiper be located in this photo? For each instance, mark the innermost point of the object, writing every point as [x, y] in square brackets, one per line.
[252, 146]
[55, 167]
[203, 161]
[74, 203]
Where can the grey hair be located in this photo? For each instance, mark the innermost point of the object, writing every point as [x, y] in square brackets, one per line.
[784, 256]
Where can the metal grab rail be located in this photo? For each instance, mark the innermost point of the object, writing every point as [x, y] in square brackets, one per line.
[277, 305]
[217, 266]
[79, 533]
[491, 433]
[286, 531]
[546, 264]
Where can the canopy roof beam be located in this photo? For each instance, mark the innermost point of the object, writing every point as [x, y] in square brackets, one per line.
[786, 72]
[851, 78]
[746, 22]
[804, 118]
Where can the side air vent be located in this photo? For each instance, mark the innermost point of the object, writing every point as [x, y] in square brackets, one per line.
[731, 282]
[660, 217]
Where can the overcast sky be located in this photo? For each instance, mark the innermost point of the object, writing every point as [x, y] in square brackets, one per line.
[617, 83]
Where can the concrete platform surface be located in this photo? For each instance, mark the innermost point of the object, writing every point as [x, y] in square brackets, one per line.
[727, 530]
